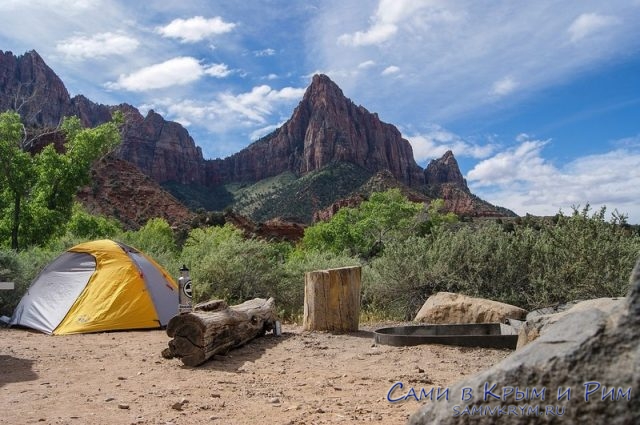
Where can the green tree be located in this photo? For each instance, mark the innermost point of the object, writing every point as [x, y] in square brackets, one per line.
[16, 175]
[37, 191]
[434, 217]
[90, 226]
[364, 230]
[158, 240]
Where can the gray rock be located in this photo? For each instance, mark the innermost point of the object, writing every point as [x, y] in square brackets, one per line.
[538, 324]
[559, 308]
[593, 352]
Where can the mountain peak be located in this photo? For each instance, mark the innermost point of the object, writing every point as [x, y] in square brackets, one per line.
[325, 130]
[334, 129]
[31, 88]
[323, 93]
[445, 170]
[35, 56]
[321, 79]
[323, 83]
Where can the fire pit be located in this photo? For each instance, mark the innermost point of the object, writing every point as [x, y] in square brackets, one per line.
[486, 335]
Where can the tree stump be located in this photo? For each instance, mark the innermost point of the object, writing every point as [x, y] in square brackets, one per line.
[215, 328]
[332, 300]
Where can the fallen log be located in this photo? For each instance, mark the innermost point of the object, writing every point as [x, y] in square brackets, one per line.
[215, 328]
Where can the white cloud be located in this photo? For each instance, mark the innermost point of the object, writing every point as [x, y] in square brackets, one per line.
[504, 86]
[462, 58]
[173, 72]
[97, 45]
[436, 141]
[385, 23]
[629, 142]
[71, 5]
[263, 131]
[195, 29]
[251, 110]
[264, 52]
[588, 24]
[376, 34]
[391, 70]
[522, 163]
[218, 70]
[366, 64]
[521, 179]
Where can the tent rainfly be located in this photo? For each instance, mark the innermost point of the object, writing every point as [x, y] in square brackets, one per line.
[98, 286]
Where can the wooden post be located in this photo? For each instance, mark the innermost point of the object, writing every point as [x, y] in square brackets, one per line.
[332, 300]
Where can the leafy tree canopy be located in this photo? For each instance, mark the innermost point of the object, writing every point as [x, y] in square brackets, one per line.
[364, 230]
[37, 191]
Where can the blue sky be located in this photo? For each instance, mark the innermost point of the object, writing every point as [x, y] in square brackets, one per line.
[539, 101]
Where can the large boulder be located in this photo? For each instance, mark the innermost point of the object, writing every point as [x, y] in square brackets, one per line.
[537, 324]
[583, 369]
[447, 307]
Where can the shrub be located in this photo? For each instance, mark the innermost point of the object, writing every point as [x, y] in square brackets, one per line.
[89, 226]
[532, 264]
[10, 272]
[364, 230]
[583, 256]
[156, 239]
[397, 283]
[225, 265]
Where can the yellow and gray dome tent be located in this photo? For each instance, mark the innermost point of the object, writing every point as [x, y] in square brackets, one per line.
[98, 286]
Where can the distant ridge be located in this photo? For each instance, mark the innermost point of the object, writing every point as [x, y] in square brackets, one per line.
[325, 130]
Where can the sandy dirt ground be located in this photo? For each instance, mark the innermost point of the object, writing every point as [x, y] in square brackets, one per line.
[297, 378]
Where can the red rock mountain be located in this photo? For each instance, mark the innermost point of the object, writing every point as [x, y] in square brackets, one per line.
[444, 170]
[31, 88]
[118, 189]
[161, 149]
[325, 128]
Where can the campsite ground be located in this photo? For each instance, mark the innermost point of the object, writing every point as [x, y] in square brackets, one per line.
[297, 378]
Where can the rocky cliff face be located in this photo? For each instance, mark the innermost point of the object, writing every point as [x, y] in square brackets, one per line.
[444, 170]
[162, 149]
[31, 88]
[91, 114]
[325, 128]
[118, 189]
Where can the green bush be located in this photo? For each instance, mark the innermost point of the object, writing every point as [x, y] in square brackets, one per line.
[89, 226]
[531, 265]
[364, 230]
[224, 264]
[583, 256]
[10, 272]
[157, 240]
[397, 283]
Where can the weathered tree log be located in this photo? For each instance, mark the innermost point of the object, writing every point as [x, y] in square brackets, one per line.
[214, 328]
[332, 300]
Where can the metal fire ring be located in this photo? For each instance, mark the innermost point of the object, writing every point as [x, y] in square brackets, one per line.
[485, 335]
